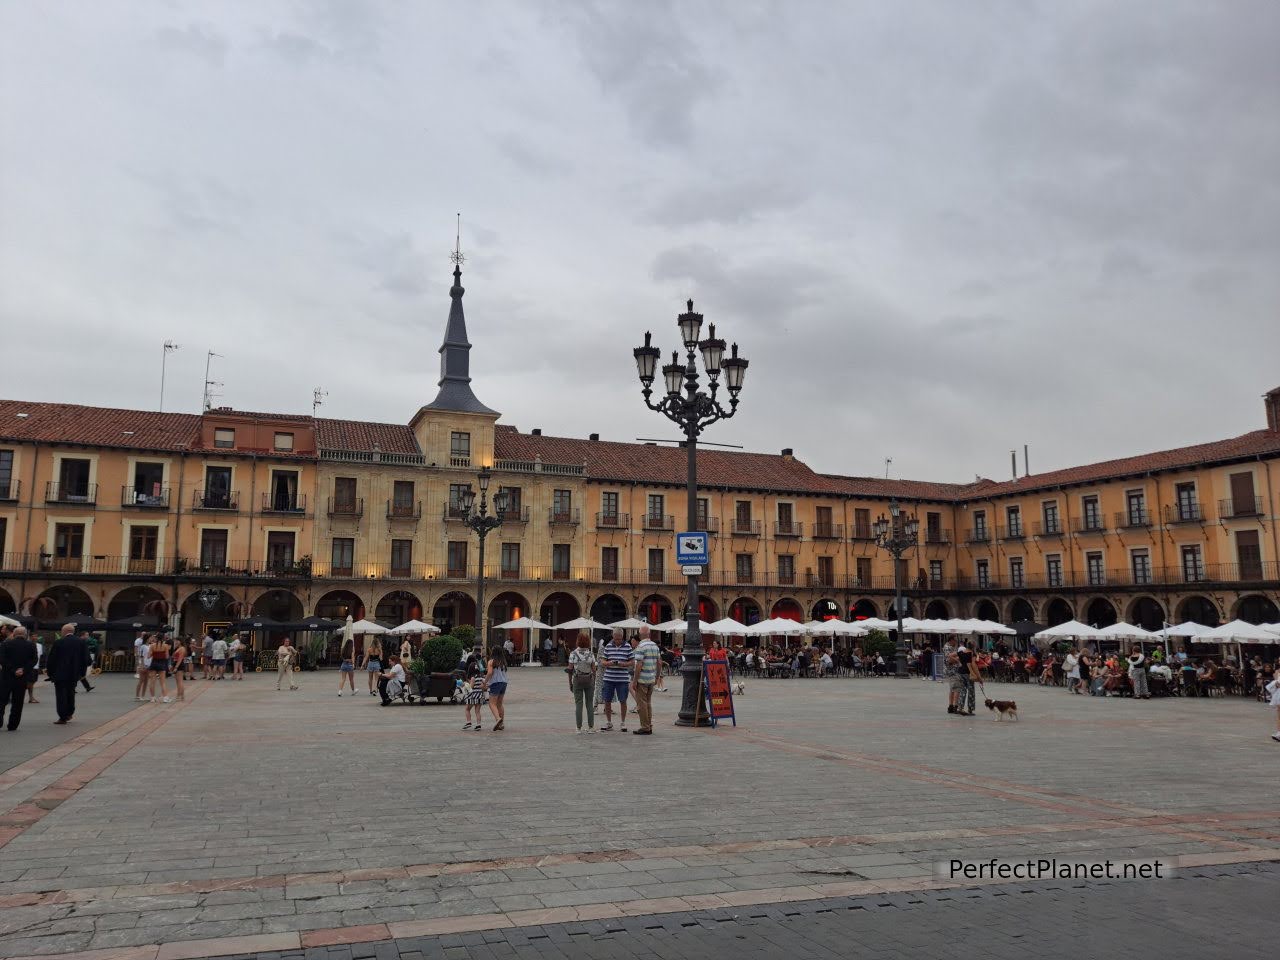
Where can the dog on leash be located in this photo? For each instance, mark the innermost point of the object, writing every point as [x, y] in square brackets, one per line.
[1002, 709]
[739, 688]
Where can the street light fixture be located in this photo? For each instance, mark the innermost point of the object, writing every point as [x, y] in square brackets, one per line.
[481, 521]
[692, 410]
[897, 533]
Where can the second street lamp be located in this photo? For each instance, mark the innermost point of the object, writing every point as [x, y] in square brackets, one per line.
[481, 521]
[897, 534]
[692, 410]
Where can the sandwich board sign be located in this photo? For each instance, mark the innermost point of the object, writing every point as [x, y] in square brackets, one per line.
[691, 549]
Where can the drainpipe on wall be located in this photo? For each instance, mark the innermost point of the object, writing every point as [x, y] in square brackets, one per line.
[253, 492]
[1164, 561]
[1069, 538]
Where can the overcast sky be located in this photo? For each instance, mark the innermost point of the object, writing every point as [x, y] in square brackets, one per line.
[938, 230]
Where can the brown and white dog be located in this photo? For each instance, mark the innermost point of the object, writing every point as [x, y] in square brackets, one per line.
[1002, 709]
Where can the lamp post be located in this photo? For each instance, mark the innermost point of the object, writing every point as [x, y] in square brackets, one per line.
[481, 521]
[896, 533]
[692, 410]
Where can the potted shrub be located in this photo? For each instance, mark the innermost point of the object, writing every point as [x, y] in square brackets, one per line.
[436, 662]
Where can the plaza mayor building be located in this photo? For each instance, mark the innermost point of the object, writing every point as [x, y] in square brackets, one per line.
[199, 520]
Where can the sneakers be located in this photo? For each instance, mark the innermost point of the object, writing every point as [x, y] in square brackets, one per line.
[623, 729]
[466, 726]
[1276, 736]
[372, 693]
[591, 729]
[606, 728]
[643, 733]
[166, 700]
[339, 693]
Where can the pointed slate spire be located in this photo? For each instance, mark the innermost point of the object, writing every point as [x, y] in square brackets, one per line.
[455, 361]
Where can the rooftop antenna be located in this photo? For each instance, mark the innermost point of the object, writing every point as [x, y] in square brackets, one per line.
[208, 393]
[888, 461]
[457, 256]
[317, 398]
[169, 347]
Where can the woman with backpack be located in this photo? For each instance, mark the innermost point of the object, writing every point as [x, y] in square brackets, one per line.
[582, 680]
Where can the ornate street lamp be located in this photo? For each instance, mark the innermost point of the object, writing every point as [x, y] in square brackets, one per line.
[481, 521]
[692, 410]
[896, 534]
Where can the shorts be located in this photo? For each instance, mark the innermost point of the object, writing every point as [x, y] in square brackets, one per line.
[957, 681]
[615, 687]
[373, 666]
[219, 663]
[498, 689]
[347, 667]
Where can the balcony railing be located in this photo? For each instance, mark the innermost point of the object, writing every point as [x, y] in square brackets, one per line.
[1243, 507]
[516, 515]
[455, 460]
[658, 521]
[284, 503]
[152, 500]
[1185, 513]
[742, 527]
[1135, 518]
[453, 511]
[1048, 528]
[346, 506]
[818, 581]
[205, 499]
[828, 531]
[404, 510]
[937, 535]
[861, 531]
[571, 517]
[1091, 524]
[509, 573]
[788, 528]
[786, 579]
[613, 521]
[79, 494]
[1012, 532]
[709, 524]
[9, 489]
[978, 535]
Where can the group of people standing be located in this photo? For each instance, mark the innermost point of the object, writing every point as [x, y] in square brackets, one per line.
[608, 676]
[65, 665]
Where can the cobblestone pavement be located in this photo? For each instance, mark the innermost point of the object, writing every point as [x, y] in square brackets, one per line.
[247, 820]
[112, 695]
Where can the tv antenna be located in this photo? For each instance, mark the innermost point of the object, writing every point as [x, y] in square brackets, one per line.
[209, 384]
[888, 462]
[317, 398]
[169, 347]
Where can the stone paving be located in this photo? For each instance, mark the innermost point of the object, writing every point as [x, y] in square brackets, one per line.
[112, 695]
[248, 820]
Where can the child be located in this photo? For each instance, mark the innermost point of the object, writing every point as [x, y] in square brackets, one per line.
[1273, 688]
[473, 696]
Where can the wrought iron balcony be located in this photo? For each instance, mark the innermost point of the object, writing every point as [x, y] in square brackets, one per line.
[613, 521]
[1048, 528]
[742, 527]
[1091, 524]
[817, 580]
[284, 503]
[569, 517]
[346, 506]
[453, 511]
[516, 515]
[788, 528]
[9, 489]
[404, 510]
[1243, 507]
[786, 579]
[658, 521]
[153, 500]
[828, 531]
[1013, 531]
[709, 524]
[205, 499]
[937, 535]
[84, 494]
[978, 535]
[1135, 518]
[1185, 513]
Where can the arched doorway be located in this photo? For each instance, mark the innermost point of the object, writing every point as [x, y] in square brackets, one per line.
[454, 609]
[340, 604]
[209, 608]
[987, 610]
[825, 609]
[787, 609]
[708, 611]
[937, 610]
[7, 603]
[908, 608]
[63, 600]
[1021, 610]
[745, 610]
[608, 608]
[863, 609]
[1147, 613]
[509, 605]
[1199, 610]
[279, 605]
[1256, 608]
[142, 602]
[1100, 612]
[397, 607]
[655, 608]
[560, 608]
[1058, 611]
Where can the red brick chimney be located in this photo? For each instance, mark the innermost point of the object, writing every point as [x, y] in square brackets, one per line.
[1272, 402]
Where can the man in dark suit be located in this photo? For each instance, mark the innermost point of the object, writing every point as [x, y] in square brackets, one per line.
[66, 663]
[18, 659]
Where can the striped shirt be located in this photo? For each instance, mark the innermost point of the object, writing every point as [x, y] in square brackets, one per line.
[617, 662]
[647, 655]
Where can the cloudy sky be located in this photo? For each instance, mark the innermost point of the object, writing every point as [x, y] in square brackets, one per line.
[938, 230]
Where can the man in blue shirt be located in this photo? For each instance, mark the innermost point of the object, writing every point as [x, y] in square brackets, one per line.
[617, 658]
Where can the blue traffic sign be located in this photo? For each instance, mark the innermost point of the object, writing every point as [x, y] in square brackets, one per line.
[691, 548]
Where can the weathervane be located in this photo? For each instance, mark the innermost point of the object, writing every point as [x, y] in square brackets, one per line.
[457, 256]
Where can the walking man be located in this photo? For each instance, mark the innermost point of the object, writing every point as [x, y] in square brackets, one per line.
[949, 666]
[286, 654]
[67, 662]
[89, 645]
[206, 656]
[219, 658]
[18, 659]
[647, 664]
[617, 657]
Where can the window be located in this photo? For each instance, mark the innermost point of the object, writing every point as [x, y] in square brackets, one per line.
[217, 489]
[279, 550]
[148, 486]
[402, 504]
[984, 573]
[1249, 554]
[224, 437]
[823, 527]
[1013, 517]
[284, 492]
[862, 523]
[510, 560]
[657, 507]
[560, 561]
[786, 521]
[786, 568]
[1244, 502]
[284, 441]
[344, 494]
[515, 501]
[609, 508]
[1192, 564]
[142, 543]
[980, 525]
[1053, 570]
[1135, 508]
[1049, 510]
[745, 567]
[342, 557]
[562, 506]
[213, 550]
[68, 544]
[863, 570]
[933, 528]
[1140, 563]
[457, 558]
[742, 516]
[935, 573]
[703, 510]
[401, 558]
[7, 491]
[609, 563]
[460, 449]
[1092, 519]
[1188, 508]
[657, 559]
[1016, 578]
[1094, 570]
[73, 481]
[457, 493]
[827, 571]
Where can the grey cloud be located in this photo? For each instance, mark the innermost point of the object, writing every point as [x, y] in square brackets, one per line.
[726, 203]
[196, 39]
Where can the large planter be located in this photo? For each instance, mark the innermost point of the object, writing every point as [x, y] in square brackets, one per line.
[435, 686]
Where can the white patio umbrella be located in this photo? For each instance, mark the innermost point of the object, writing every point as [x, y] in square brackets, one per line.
[726, 626]
[1238, 631]
[631, 623]
[523, 623]
[1188, 630]
[8, 621]
[579, 623]
[413, 626]
[875, 623]
[674, 626]
[1072, 629]
[777, 625]
[1126, 631]
[365, 626]
[839, 628]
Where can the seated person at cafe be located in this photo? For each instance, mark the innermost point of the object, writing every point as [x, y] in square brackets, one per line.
[394, 672]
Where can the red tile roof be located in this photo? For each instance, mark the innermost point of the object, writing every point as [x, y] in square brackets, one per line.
[644, 463]
[97, 426]
[359, 435]
[882, 488]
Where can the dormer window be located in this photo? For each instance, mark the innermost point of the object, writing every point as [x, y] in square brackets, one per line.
[224, 437]
[284, 442]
